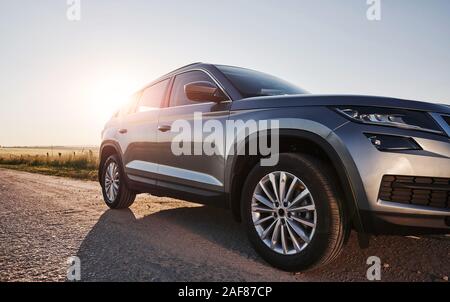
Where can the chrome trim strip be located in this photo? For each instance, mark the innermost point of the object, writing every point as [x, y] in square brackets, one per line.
[442, 123]
[192, 105]
[174, 172]
[143, 166]
[412, 209]
[189, 175]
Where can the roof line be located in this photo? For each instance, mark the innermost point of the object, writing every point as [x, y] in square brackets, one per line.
[188, 65]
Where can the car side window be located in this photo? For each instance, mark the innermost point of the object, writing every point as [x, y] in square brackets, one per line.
[178, 96]
[130, 106]
[152, 97]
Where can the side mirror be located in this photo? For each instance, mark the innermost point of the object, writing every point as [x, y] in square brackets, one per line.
[204, 92]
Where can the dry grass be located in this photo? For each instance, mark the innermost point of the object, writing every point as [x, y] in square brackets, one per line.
[67, 162]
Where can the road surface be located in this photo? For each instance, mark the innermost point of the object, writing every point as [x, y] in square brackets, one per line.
[44, 220]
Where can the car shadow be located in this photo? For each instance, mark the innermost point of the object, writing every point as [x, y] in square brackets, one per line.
[205, 244]
[122, 247]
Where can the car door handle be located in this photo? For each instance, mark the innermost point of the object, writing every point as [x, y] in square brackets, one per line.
[164, 128]
[123, 131]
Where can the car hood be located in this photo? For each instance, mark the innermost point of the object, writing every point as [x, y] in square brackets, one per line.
[336, 100]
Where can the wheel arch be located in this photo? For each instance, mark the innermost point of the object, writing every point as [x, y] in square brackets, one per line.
[309, 142]
[107, 149]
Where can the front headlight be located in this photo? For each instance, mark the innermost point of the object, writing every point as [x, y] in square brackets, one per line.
[400, 118]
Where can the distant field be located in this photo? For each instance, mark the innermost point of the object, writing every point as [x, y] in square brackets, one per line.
[74, 162]
[32, 151]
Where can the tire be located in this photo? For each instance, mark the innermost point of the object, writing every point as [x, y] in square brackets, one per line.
[124, 197]
[327, 224]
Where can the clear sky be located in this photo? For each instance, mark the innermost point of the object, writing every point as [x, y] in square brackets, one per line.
[61, 80]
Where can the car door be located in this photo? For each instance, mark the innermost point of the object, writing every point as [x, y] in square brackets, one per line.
[202, 173]
[139, 134]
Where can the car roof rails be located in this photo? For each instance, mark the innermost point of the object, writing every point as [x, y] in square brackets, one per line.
[188, 65]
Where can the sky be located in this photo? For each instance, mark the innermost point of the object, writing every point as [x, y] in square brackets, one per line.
[61, 80]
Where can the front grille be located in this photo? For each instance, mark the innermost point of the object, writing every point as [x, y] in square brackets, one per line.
[422, 191]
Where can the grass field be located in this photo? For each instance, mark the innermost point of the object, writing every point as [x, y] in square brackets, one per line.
[74, 162]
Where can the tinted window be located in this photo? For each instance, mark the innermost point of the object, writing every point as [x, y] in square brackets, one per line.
[178, 97]
[153, 96]
[252, 83]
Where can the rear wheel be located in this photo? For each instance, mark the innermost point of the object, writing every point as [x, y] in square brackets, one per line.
[114, 188]
[293, 214]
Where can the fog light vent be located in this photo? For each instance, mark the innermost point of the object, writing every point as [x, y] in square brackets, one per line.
[392, 143]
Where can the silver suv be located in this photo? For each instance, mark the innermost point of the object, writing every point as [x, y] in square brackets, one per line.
[373, 164]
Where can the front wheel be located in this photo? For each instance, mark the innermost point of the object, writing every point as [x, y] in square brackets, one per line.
[114, 188]
[293, 214]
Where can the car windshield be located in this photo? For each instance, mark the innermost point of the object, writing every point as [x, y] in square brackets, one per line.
[251, 83]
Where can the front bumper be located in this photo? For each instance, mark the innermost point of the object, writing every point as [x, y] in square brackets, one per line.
[371, 165]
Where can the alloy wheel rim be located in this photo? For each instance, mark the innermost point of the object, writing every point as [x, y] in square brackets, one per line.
[284, 213]
[112, 181]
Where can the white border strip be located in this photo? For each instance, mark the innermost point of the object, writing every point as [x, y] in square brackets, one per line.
[173, 172]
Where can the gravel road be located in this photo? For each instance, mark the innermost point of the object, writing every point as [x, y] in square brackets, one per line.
[44, 220]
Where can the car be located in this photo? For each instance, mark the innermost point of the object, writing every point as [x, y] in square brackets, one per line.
[375, 165]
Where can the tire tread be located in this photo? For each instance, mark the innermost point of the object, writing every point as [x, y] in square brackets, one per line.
[338, 215]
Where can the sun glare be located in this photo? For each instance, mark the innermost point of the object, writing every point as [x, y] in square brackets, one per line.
[109, 94]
